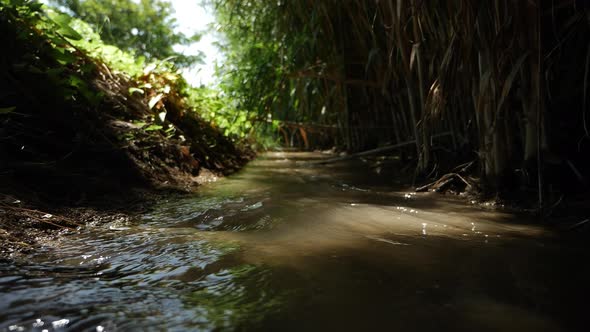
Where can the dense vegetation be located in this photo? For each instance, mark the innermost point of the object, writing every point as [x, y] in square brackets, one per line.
[146, 31]
[80, 117]
[145, 27]
[98, 125]
[503, 83]
[499, 85]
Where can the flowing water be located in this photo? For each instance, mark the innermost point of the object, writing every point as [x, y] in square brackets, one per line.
[285, 246]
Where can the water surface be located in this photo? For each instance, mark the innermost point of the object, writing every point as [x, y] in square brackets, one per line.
[284, 245]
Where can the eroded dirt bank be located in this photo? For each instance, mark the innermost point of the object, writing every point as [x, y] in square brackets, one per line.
[79, 143]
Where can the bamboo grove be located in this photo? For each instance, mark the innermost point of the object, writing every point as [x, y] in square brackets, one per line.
[503, 82]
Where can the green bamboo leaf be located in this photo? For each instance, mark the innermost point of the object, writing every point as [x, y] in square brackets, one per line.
[6, 110]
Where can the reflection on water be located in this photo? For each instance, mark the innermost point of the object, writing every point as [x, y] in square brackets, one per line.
[287, 246]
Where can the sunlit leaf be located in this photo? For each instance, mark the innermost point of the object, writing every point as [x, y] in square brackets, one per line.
[153, 127]
[155, 100]
[69, 33]
[162, 116]
[133, 90]
[63, 21]
[149, 68]
[139, 124]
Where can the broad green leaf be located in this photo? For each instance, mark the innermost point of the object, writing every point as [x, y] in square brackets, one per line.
[153, 127]
[35, 6]
[63, 21]
[69, 33]
[77, 82]
[139, 124]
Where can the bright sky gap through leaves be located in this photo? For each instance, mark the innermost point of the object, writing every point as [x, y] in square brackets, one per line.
[192, 17]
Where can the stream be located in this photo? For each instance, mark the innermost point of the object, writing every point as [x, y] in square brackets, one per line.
[286, 246]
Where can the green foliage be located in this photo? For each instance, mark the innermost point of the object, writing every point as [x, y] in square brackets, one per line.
[481, 74]
[269, 70]
[144, 27]
[235, 122]
[96, 48]
[249, 72]
[44, 49]
[6, 110]
[69, 54]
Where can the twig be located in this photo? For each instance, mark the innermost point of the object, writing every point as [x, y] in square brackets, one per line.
[578, 224]
[15, 208]
[464, 167]
[442, 182]
[362, 154]
[51, 223]
[426, 187]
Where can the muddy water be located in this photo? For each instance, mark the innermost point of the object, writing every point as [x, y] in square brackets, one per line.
[287, 246]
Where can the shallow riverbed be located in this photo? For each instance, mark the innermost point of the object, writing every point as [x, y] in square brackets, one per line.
[284, 245]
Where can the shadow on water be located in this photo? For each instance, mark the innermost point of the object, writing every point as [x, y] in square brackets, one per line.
[285, 246]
